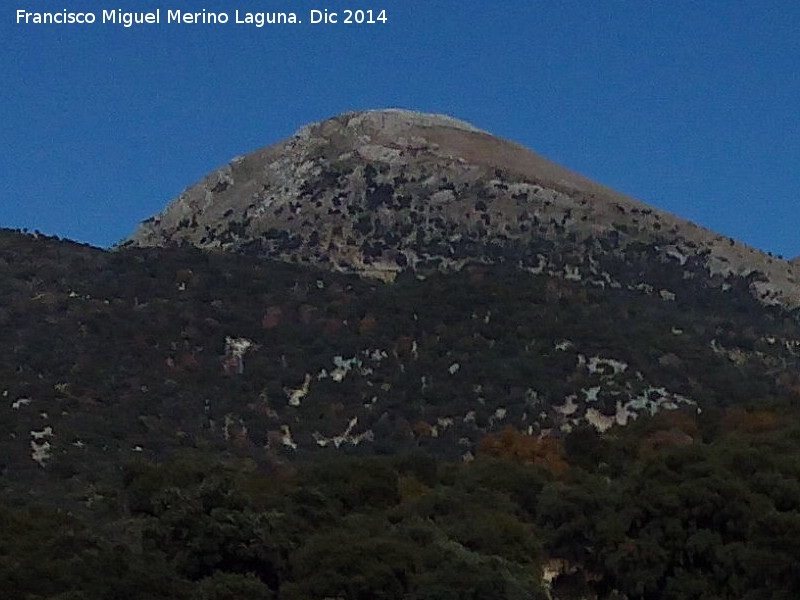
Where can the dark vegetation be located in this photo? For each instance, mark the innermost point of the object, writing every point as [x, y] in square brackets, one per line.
[168, 476]
[625, 516]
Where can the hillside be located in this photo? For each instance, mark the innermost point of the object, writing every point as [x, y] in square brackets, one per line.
[150, 350]
[396, 357]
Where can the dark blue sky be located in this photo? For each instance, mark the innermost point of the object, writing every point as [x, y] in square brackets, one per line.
[693, 107]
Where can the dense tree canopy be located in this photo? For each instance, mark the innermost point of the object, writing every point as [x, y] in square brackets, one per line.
[717, 519]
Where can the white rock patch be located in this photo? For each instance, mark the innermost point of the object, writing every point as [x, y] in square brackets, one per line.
[590, 394]
[296, 396]
[235, 349]
[286, 437]
[20, 402]
[40, 445]
[597, 364]
[568, 408]
[345, 437]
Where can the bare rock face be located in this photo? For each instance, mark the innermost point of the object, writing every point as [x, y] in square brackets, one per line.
[380, 192]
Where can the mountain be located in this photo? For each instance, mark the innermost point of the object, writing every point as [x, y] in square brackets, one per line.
[510, 292]
[380, 192]
[396, 357]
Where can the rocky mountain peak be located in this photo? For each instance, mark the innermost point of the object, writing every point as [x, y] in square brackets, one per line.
[381, 192]
[393, 121]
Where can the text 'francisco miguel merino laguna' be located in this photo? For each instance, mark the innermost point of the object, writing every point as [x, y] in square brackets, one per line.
[259, 19]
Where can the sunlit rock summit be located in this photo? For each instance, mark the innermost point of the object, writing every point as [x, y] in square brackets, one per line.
[380, 192]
